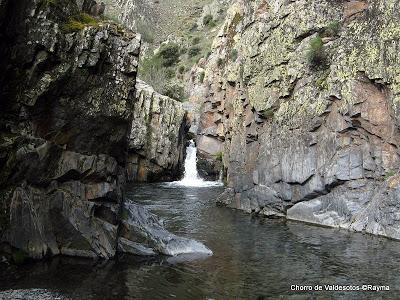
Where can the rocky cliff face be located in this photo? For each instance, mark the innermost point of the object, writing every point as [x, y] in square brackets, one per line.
[130, 12]
[164, 20]
[157, 138]
[71, 127]
[66, 102]
[303, 98]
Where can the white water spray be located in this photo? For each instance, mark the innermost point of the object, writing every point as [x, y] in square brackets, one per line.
[191, 177]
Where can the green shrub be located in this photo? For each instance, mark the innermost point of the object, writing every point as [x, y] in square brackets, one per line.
[194, 51]
[78, 23]
[181, 69]
[72, 26]
[195, 40]
[207, 20]
[172, 136]
[158, 70]
[175, 91]
[146, 31]
[190, 136]
[322, 81]
[213, 23]
[389, 174]
[125, 215]
[316, 54]
[183, 50]
[332, 29]
[219, 156]
[153, 72]
[169, 54]
[201, 76]
[87, 19]
[220, 62]
[268, 113]
[233, 55]
[170, 72]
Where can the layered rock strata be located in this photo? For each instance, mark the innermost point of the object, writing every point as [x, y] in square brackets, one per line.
[157, 138]
[66, 102]
[304, 97]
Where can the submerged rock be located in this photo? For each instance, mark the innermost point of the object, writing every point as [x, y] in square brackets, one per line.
[127, 246]
[142, 232]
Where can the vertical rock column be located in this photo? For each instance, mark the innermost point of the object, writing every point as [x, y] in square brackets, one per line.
[158, 136]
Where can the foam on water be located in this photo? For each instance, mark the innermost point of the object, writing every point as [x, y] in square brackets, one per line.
[146, 224]
[191, 177]
[186, 246]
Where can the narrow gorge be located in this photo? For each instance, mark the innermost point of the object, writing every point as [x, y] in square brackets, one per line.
[204, 149]
[76, 126]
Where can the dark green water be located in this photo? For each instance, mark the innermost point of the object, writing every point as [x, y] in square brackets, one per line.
[253, 258]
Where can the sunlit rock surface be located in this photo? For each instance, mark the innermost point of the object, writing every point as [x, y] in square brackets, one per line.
[158, 136]
[315, 143]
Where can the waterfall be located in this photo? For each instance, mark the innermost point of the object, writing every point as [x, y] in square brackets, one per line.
[191, 173]
[191, 176]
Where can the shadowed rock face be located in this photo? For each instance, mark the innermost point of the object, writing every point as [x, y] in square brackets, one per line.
[157, 138]
[74, 122]
[66, 102]
[314, 143]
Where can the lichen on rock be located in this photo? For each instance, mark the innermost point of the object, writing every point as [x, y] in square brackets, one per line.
[157, 137]
[313, 143]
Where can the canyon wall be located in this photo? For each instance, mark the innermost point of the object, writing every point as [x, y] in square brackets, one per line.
[158, 136]
[66, 102]
[160, 21]
[303, 97]
[72, 129]
[131, 12]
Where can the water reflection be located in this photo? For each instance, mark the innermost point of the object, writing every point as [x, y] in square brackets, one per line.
[253, 258]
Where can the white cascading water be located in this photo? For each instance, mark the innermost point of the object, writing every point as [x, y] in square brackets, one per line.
[191, 177]
[188, 247]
